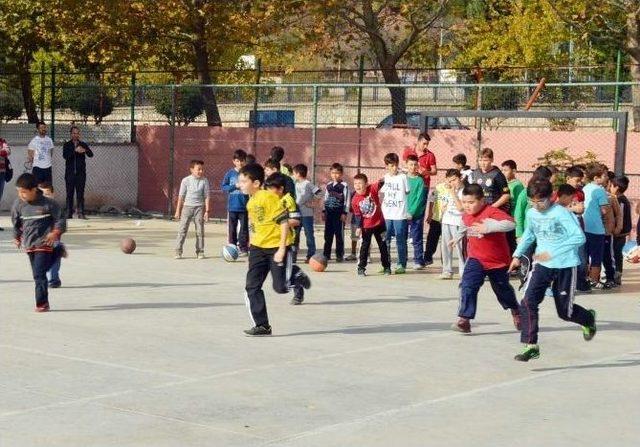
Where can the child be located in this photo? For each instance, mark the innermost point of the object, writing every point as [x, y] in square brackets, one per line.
[509, 169]
[460, 163]
[487, 255]
[574, 176]
[277, 154]
[557, 235]
[38, 224]
[53, 275]
[193, 204]
[492, 180]
[276, 183]
[451, 222]
[236, 205]
[394, 208]
[268, 252]
[522, 202]
[334, 214]
[306, 192]
[368, 216]
[437, 202]
[596, 205]
[416, 207]
[273, 165]
[613, 225]
[618, 186]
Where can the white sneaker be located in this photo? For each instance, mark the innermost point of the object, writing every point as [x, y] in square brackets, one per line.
[418, 267]
[351, 258]
[200, 256]
[446, 276]
[177, 256]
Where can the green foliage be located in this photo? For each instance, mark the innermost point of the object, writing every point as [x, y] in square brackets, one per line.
[561, 159]
[189, 104]
[10, 105]
[87, 101]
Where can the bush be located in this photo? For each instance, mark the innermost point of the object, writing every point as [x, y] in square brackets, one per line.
[10, 105]
[88, 101]
[189, 104]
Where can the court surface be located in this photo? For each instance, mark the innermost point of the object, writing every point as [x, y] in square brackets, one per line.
[145, 350]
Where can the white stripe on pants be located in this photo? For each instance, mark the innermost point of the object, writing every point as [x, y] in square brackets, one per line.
[449, 233]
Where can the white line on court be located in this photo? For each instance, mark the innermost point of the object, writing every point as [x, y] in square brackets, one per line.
[426, 403]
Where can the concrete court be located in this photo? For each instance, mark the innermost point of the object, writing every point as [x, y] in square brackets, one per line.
[144, 350]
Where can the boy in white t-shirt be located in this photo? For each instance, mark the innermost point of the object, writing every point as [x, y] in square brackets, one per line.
[451, 222]
[394, 208]
[40, 153]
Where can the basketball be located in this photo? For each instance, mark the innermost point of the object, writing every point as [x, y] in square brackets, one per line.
[127, 245]
[230, 253]
[318, 263]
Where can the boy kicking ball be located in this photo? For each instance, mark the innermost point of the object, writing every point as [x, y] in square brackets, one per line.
[558, 236]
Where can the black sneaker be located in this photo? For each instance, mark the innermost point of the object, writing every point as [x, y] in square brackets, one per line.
[55, 284]
[298, 296]
[361, 272]
[588, 332]
[530, 352]
[386, 272]
[258, 331]
[428, 262]
[302, 279]
[339, 260]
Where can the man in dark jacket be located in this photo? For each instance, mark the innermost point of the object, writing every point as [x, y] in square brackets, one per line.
[75, 175]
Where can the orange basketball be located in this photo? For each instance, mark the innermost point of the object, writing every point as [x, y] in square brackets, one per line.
[318, 263]
[128, 245]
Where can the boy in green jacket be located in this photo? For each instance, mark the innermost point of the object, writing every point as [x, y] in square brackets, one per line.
[416, 205]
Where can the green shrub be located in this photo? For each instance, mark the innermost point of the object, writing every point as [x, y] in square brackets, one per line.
[189, 104]
[10, 105]
[87, 101]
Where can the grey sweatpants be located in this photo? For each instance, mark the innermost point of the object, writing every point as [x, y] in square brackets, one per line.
[449, 233]
[189, 213]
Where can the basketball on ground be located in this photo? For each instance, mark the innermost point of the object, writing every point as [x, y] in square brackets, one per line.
[127, 245]
[318, 263]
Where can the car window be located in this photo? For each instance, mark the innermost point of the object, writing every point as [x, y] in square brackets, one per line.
[413, 120]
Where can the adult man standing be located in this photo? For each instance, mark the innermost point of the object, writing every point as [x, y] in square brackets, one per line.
[39, 154]
[426, 159]
[75, 152]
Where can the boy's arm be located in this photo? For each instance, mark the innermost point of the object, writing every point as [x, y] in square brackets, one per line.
[282, 244]
[88, 152]
[347, 199]
[520, 213]
[226, 183]
[16, 221]
[207, 199]
[497, 222]
[574, 236]
[59, 224]
[306, 196]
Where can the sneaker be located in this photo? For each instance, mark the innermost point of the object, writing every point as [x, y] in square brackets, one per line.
[445, 275]
[418, 267]
[529, 352]
[462, 325]
[55, 284]
[618, 279]
[298, 296]
[351, 258]
[400, 271]
[258, 331]
[178, 256]
[306, 260]
[601, 286]
[385, 272]
[43, 308]
[428, 262]
[200, 256]
[63, 251]
[361, 272]
[243, 254]
[302, 279]
[339, 260]
[515, 315]
[588, 332]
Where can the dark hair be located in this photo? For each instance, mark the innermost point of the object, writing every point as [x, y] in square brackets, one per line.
[193, 163]
[566, 190]
[574, 172]
[594, 170]
[288, 166]
[540, 188]
[424, 136]
[510, 164]
[72, 128]
[254, 171]
[361, 176]
[611, 175]
[541, 173]
[277, 153]
[338, 167]
[27, 181]
[251, 159]
[272, 164]
[474, 190]
[412, 157]
[452, 173]
[460, 159]
[239, 154]
[276, 180]
[391, 159]
[486, 153]
[39, 123]
[46, 185]
[621, 182]
[301, 169]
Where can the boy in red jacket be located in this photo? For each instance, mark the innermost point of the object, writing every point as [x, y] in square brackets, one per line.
[369, 221]
[488, 255]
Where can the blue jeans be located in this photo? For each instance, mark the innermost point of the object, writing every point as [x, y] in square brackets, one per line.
[53, 274]
[306, 224]
[399, 229]
[473, 278]
[416, 229]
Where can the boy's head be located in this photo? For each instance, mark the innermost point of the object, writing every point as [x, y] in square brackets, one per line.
[27, 187]
[46, 188]
[197, 168]
[277, 153]
[336, 171]
[486, 159]
[460, 161]
[360, 183]
[619, 184]
[412, 164]
[453, 178]
[539, 193]
[573, 176]
[509, 169]
[276, 183]
[472, 199]
[566, 192]
[250, 159]
[596, 173]
[239, 158]
[391, 161]
[271, 166]
[422, 145]
[251, 178]
[300, 171]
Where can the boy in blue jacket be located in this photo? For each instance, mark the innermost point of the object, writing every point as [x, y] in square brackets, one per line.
[558, 236]
[237, 204]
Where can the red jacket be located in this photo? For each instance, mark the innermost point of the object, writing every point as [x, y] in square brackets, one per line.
[491, 249]
[366, 207]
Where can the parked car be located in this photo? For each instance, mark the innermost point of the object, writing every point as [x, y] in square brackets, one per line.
[433, 122]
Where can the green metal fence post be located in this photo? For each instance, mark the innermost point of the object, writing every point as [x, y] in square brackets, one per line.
[314, 134]
[359, 118]
[256, 98]
[42, 87]
[172, 146]
[53, 103]
[133, 107]
[616, 101]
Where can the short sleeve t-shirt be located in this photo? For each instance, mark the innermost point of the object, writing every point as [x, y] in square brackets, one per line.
[425, 162]
[493, 183]
[43, 148]
[452, 215]
[293, 212]
[515, 188]
[396, 191]
[594, 198]
[266, 213]
[439, 196]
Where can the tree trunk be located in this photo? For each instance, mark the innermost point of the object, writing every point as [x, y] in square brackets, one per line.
[398, 95]
[27, 91]
[633, 48]
[635, 94]
[204, 76]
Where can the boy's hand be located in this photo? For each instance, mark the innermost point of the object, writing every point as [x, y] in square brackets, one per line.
[176, 216]
[542, 257]
[479, 228]
[452, 243]
[358, 232]
[428, 219]
[17, 243]
[50, 238]
[343, 218]
[515, 264]
[278, 256]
